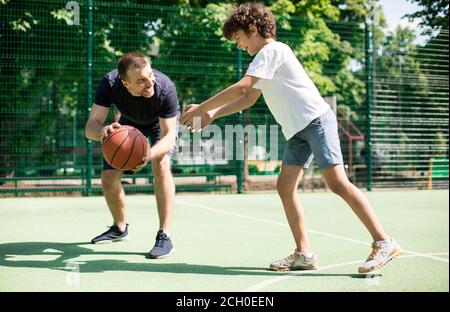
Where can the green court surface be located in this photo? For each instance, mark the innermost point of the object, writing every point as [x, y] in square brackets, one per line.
[223, 242]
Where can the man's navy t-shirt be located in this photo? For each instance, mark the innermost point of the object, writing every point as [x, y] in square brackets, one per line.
[138, 109]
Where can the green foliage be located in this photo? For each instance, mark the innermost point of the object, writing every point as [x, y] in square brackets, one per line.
[44, 62]
[433, 13]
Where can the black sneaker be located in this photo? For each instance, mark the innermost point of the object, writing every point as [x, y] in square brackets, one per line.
[114, 234]
[163, 247]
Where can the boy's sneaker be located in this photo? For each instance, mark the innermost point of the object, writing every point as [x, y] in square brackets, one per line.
[114, 234]
[163, 247]
[382, 253]
[297, 261]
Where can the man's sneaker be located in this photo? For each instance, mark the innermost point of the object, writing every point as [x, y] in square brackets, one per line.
[382, 253]
[114, 234]
[163, 247]
[297, 261]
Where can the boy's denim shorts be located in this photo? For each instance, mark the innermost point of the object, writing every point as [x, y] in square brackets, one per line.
[319, 139]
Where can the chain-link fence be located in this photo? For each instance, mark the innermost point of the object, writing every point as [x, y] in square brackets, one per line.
[390, 96]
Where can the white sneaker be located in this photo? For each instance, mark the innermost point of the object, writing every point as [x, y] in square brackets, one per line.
[297, 261]
[382, 253]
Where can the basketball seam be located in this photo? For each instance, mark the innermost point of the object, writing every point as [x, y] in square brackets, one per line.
[118, 148]
[110, 136]
[129, 155]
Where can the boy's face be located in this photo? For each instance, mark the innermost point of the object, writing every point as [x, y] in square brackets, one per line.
[248, 42]
[140, 82]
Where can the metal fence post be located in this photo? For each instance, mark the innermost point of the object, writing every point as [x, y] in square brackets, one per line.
[368, 143]
[89, 93]
[240, 163]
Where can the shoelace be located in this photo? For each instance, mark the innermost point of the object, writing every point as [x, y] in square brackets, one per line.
[160, 240]
[375, 249]
[113, 228]
[109, 228]
[290, 258]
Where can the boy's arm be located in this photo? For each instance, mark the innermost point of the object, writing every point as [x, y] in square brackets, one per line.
[228, 95]
[238, 105]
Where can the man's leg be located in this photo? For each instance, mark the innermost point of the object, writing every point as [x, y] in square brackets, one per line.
[115, 199]
[115, 196]
[164, 192]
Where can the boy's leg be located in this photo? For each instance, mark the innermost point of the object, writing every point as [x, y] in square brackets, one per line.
[338, 183]
[287, 184]
[302, 258]
[384, 248]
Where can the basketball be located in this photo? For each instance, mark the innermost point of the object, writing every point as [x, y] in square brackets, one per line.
[124, 148]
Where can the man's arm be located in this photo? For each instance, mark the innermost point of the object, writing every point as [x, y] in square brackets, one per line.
[95, 130]
[163, 146]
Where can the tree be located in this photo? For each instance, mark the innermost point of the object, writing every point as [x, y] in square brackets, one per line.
[434, 13]
[44, 62]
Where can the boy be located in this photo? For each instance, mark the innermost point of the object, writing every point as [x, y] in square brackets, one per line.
[308, 123]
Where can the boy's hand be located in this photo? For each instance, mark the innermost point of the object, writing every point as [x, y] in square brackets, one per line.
[190, 111]
[195, 119]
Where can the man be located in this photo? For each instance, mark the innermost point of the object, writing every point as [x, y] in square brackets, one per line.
[146, 100]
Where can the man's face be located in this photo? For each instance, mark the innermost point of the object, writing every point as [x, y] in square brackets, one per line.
[140, 82]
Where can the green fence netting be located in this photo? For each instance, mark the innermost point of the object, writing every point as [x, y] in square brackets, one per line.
[390, 96]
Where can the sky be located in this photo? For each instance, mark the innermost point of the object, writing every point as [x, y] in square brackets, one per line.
[394, 10]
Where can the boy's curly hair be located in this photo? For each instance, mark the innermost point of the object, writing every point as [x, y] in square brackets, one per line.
[251, 13]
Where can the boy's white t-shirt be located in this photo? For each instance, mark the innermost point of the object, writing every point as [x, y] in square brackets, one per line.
[291, 96]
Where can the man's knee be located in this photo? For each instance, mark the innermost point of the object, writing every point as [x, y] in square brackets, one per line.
[161, 168]
[111, 178]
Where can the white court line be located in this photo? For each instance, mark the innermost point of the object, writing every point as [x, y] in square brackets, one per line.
[309, 230]
[286, 276]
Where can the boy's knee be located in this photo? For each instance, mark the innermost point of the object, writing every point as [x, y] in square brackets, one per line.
[284, 188]
[339, 187]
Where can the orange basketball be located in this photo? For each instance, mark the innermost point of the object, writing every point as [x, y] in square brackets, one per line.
[124, 148]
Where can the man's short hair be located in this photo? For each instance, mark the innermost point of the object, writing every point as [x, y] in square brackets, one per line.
[251, 13]
[133, 61]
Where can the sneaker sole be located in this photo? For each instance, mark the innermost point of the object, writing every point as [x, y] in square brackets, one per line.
[109, 241]
[277, 269]
[394, 255]
[163, 256]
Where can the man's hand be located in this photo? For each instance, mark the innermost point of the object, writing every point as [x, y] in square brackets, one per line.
[108, 130]
[194, 119]
[145, 159]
